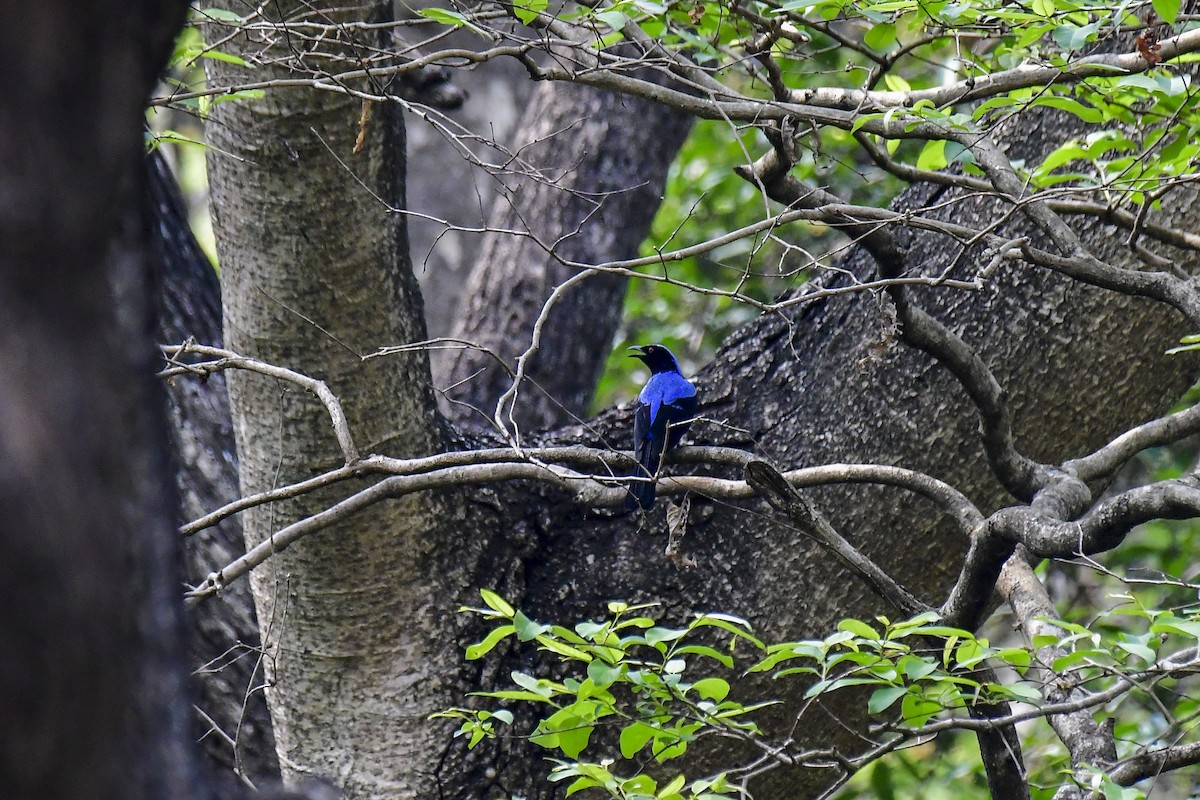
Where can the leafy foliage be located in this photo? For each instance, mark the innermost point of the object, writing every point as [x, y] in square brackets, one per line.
[659, 689]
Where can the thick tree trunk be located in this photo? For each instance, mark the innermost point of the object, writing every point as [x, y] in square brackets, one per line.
[806, 388]
[359, 625]
[92, 683]
[603, 161]
[231, 718]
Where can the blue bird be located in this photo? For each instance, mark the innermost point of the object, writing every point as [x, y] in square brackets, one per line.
[665, 409]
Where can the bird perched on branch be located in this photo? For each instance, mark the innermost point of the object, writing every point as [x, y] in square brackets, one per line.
[665, 409]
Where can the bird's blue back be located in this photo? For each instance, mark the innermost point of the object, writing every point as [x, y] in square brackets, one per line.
[664, 388]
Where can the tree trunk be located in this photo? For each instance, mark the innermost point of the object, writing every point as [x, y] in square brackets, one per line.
[93, 680]
[231, 720]
[603, 161]
[359, 625]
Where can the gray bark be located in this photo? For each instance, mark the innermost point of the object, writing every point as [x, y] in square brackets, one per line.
[359, 625]
[92, 682]
[604, 160]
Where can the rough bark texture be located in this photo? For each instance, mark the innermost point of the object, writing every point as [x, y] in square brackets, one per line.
[1080, 365]
[231, 720]
[604, 160]
[92, 682]
[358, 624]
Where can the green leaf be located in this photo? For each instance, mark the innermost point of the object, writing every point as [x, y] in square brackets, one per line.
[229, 58]
[672, 788]
[582, 783]
[244, 94]
[573, 740]
[1138, 650]
[703, 650]
[858, 628]
[883, 699]
[490, 598]
[477, 651]
[658, 635]
[896, 83]
[526, 681]
[731, 624]
[933, 155]
[527, 629]
[528, 11]
[512, 694]
[1085, 113]
[881, 36]
[613, 19]
[564, 650]
[915, 667]
[634, 738]
[444, 16]
[917, 710]
[1167, 9]
[1023, 691]
[1017, 657]
[219, 15]
[1168, 623]
[714, 689]
[603, 675]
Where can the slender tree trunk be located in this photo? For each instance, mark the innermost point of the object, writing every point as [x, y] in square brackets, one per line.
[92, 684]
[603, 160]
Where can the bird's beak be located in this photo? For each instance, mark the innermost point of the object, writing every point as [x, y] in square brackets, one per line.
[641, 348]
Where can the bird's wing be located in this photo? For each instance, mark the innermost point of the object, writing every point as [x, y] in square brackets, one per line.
[665, 388]
[641, 429]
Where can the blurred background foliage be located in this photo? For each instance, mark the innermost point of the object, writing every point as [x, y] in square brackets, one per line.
[705, 199]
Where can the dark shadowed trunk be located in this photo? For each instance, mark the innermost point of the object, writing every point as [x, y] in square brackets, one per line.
[231, 714]
[92, 683]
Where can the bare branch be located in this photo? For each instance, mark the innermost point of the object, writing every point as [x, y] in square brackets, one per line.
[767, 482]
[1103, 527]
[1103, 463]
[1087, 741]
[227, 359]
[1149, 763]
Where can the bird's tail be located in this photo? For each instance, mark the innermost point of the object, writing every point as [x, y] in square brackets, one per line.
[642, 492]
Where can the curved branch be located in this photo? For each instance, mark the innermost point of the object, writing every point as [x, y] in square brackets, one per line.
[458, 469]
[1026, 76]
[1086, 740]
[768, 483]
[1152, 763]
[1103, 463]
[1103, 527]
[227, 359]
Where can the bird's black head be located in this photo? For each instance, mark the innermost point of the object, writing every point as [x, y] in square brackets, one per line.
[656, 357]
